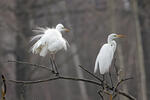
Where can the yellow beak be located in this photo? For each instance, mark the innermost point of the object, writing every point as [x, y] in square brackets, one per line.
[67, 30]
[120, 36]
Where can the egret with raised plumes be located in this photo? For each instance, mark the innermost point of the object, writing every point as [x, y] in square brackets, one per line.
[50, 40]
[106, 54]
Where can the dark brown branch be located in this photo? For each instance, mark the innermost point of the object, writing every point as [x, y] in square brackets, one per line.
[4, 82]
[35, 65]
[3, 89]
[75, 79]
[57, 78]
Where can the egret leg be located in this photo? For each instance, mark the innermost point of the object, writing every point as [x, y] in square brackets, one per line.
[111, 79]
[57, 73]
[103, 76]
[51, 60]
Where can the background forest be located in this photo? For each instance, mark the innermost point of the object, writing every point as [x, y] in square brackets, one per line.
[90, 22]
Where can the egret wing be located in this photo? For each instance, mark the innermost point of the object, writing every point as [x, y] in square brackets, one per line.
[96, 64]
[104, 58]
[36, 37]
[51, 40]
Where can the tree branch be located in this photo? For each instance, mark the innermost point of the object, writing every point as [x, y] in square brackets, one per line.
[31, 64]
[108, 88]
[121, 81]
[91, 73]
[127, 95]
[95, 76]
[56, 78]
[73, 79]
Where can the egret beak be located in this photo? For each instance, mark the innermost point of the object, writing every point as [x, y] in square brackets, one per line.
[120, 36]
[66, 30]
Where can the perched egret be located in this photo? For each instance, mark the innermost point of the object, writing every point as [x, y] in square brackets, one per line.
[105, 56]
[49, 41]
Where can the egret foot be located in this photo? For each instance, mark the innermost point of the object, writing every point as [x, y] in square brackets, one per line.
[111, 79]
[53, 71]
[57, 74]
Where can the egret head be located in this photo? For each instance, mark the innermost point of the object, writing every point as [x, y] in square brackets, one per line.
[114, 36]
[61, 28]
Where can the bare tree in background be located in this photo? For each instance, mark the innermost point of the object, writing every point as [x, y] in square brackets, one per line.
[8, 42]
[91, 21]
[144, 21]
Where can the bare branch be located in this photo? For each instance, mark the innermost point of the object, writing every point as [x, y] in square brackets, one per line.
[127, 95]
[90, 73]
[96, 77]
[73, 79]
[3, 89]
[108, 89]
[99, 92]
[35, 65]
[121, 81]
[113, 88]
[56, 78]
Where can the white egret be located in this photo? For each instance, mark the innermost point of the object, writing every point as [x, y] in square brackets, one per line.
[50, 41]
[106, 53]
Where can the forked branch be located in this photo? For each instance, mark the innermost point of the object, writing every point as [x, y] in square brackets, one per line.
[100, 83]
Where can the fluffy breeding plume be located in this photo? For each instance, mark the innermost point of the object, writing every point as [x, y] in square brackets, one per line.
[49, 41]
[105, 56]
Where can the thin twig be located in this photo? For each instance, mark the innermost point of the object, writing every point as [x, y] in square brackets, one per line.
[127, 95]
[121, 81]
[114, 96]
[95, 77]
[91, 73]
[108, 87]
[99, 92]
[36, 65]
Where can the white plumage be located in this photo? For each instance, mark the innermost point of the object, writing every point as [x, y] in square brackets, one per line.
[50, 40]
[105, 56]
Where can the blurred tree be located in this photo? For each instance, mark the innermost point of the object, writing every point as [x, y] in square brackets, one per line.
[90, 22]
[8, 41]
[144, 18]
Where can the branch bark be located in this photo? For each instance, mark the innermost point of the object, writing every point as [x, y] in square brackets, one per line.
[56, 78]
[100, 84]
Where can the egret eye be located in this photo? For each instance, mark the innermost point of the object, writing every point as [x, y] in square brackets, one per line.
[115, 35]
